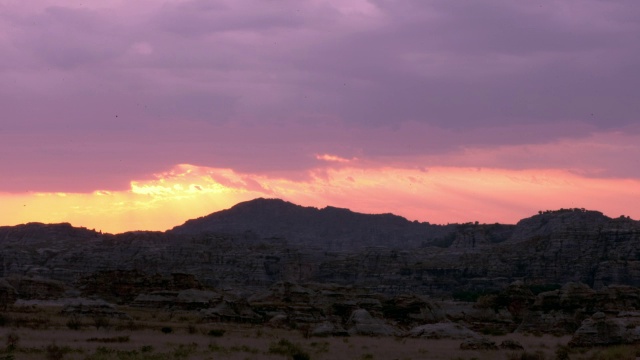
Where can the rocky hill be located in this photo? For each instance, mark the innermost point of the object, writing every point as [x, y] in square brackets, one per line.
[261, 242]
[329, 228]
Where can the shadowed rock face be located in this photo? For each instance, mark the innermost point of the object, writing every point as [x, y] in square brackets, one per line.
[258, 243]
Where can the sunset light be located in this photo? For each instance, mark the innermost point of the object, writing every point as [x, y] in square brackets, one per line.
[436, 195]
[140, 115]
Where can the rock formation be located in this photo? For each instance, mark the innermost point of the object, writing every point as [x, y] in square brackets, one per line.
[331, 270]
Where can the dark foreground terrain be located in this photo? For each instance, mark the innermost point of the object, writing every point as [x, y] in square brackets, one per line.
[43, 330]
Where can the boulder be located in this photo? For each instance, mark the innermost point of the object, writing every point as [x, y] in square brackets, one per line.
[412, 308]
[600, 330]
[362, 323]
[278, 320]
[478, 344]
[509, 344]
[230, 309]
[443, 331]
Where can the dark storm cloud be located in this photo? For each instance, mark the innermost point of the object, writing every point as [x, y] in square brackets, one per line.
[475, 64]
[265, 85]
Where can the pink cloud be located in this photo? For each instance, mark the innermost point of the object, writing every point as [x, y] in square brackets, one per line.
[440, 195]
[95, 94]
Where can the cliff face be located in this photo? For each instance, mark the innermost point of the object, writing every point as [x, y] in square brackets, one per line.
[256, 244]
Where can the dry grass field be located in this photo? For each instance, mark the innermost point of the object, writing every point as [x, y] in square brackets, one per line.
[37, 332]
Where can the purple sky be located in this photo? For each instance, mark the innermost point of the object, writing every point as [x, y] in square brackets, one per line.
[95, 94]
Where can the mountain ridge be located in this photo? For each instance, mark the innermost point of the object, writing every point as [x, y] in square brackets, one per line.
[258, 243]
[337, 226]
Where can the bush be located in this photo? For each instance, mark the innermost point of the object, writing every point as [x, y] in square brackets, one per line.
[55, 352]
[300, 356]
[184, 351]
[101, 322]
[115, 339]
[74, 323]
[622, 352]
[167, 329]
[5, 320]
[12, 341]
[287, 348]
[562, 353]
[216, 332]
[538, 355]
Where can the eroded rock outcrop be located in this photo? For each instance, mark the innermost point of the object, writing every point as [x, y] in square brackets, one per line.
[36, 288]
[93, 309]
[601, 330]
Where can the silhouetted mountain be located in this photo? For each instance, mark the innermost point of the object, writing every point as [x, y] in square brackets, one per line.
[329, 228]
[257, 243]
[45, 232]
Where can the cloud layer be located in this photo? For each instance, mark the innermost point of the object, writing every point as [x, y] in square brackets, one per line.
[95, 94]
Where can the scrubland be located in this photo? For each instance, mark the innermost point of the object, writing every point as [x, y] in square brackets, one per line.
[37, 332]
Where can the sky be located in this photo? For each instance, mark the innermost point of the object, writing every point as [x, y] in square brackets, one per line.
[138, 115]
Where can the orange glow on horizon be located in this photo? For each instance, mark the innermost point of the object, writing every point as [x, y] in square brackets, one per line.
[333, 158]
[437, 195]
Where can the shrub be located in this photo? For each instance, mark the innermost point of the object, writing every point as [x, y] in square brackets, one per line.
[74, 323]
[12, 341]
[55, 352]
[101, 322]
[622, 352]
[216, 332]
[562, 353]
[132, 325]
[287, 348]
[167, 329]
[244, 348]
[115, 339]
[184, 351]
[5, 320]
[300, 356]
[37, 322]
[538, 355]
